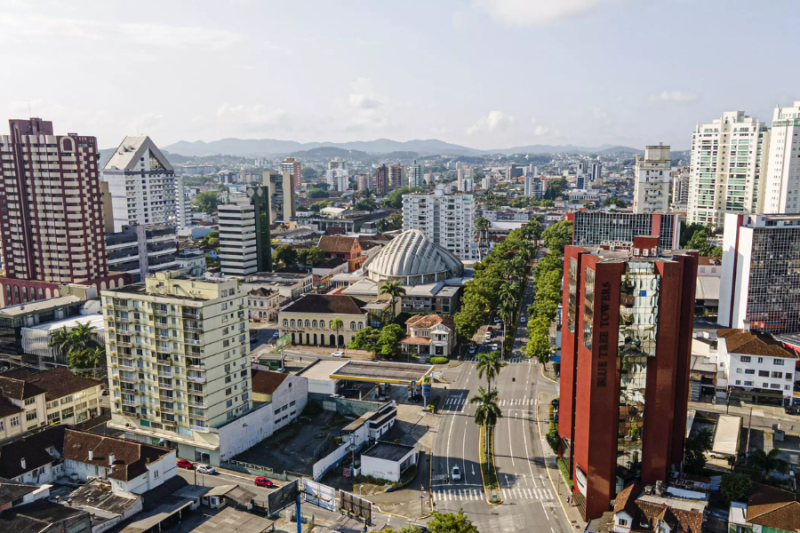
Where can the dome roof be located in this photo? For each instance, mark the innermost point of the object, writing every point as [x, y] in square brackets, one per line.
[412, 255]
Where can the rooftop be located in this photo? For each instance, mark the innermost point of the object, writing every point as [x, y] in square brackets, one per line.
[742, 341]
[327, 303]
[266, 382]
[773, 508]
[10, 491]
[96, 321]
[39, 305]
[132, 149]
[36, 517]
[99, 496]
[229, 520]
[55, 383]
[321, 370]
[429, 321]
[389, 451]
[412, 254]
[337, 243]
[399, 373]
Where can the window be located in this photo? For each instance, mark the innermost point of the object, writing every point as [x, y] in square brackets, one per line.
[2, 425]
[777, 375]
[763, 373]
[285, 322]
[787, 387]
[765, 385]
[748, 383]
[739, 370]
[14, 421]
[775, 386]
[777, 361]
[749, 371]
[308, 323]
[29, 401]
[760, 360]
[738, 381]
[229, 403]
[622, 522]
[744, 358]
[228, 391]
[155, 474]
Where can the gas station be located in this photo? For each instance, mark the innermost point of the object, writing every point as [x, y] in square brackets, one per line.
[416, 378]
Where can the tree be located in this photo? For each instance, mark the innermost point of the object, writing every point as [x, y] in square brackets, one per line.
[319, 206]
[688, 231]
[700, 242]
[533, 229]
[388, 343]
[394, 290]
[367, 204]
[366, 339]
[408, 528]
[489, 365]
[285, 255]
[451, 523]
[393, 222]
[336, 325]
[395, 198]
[79, 345]
[310, 174]
[735, 488]
[613, 200]
[313, 256]
[557, 236]
[207, 202]
[539, 345]
[482, 225]
[317, 193]
[473, 314]
[487, 413]
[767, 461]
[694, 450]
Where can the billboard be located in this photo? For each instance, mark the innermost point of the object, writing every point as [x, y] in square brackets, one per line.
[283, 497]
[319, 494]
[356, 506]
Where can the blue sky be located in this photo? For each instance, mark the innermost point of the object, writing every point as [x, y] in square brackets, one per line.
[483, 73]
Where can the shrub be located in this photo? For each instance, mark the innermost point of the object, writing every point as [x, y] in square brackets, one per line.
[437, 360]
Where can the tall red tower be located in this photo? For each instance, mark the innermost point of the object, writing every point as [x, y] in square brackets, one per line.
[625, 358]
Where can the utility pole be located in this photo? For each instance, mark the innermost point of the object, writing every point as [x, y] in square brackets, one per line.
[422, 500]
[749, 425]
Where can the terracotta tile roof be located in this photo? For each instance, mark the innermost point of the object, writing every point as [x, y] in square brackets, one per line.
[327, 304]
[745, 342]
[32, 448]
[775, 508]
[428, 321]
[7, 408]
[261, 291]
[266, 382]
[130, 457]
[17, 389]
[416, 340]
[55, 383]
[337, 244]
[625, 499]
[644, 512]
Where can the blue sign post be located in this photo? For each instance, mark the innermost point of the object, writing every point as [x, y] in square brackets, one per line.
[427, 382]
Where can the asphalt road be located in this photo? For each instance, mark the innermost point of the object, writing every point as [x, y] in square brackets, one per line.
[529, 502]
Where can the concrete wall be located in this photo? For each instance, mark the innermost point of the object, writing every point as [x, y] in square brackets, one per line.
[383, 469]
[289, 400]
[245, 432]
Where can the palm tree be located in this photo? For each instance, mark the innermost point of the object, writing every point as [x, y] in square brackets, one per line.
[79, 345]
[395, 290]
[489, 365]
[482, 225]
[509, 292]
[487, 413]
[767, 461]
[337, 324]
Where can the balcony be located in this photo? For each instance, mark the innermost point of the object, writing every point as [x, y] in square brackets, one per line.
[166, 386]
[192, 315]
[194, 366]
[129, 402]
[126, 365]
[193, 327]
[122, 320]
[196, 379]
[202, 429]
[197, 392]
[122, 306]
[124, 343]
[165, 374]
[161, 312]
[195, 342]
[167, 362]
[163, 337]
[167, 410]
[193, 403]
[129, 379]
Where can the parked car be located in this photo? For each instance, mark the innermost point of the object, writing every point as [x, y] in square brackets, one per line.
[497, 320]
[184, 463]
[472, 350]
[489, 329]
[337, 354]
[494, 347]
[456, 473]
[522, 319]
[206, 469]
[261, 481]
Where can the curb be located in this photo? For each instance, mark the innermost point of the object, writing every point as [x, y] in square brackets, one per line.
[549, 476]
[483, 481]
[547, 378]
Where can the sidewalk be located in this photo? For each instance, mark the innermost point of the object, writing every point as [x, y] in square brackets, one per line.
[560, 486]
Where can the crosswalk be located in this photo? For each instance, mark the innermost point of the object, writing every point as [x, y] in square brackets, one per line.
[520, 401]
[516, 494]
[455, 403]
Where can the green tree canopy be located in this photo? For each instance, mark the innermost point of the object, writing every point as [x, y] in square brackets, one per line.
[391, 223]
[557, 236]
[700, 242]
[285, 256]
[366, 339]
[318, 206]
[694, 450]
[310, 174]
[388, 343]
[207, 202]
[317, 193]
[313, 256]
[735, 488]
[613, 200]
[367, 204]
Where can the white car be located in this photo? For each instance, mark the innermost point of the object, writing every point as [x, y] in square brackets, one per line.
[205, 469]
[337, 354]
[456, 473]
[523, 319]
[494, 347]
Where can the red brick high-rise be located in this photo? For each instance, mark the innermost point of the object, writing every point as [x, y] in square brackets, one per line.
[293, 167]
[51, 217]
[382, 180]
[625, 358]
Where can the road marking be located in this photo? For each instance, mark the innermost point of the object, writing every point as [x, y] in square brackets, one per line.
[510, 447]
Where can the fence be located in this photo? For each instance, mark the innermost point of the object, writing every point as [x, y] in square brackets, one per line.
[345, 406]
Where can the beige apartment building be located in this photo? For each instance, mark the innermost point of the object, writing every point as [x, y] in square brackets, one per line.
[178, 358]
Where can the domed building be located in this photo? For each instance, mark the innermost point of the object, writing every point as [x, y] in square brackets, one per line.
[412, 259]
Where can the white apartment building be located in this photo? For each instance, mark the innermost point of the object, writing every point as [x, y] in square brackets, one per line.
[534, 186]
[755, 361]
[183, 204]
[282, 195]
[463, 175]
[446, 219]
[238, 253]
[680, 189]
[142, 184]
[782, 186]
[652, 181]
[415, 178]
[727, 168]
[336, 170]
[178, 359]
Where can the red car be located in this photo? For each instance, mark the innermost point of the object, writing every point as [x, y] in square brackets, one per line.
[261, 481]
[183, 463]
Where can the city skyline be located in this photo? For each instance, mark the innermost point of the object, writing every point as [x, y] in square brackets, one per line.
[553, 73]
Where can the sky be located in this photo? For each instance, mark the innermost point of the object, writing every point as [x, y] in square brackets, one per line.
[480, 73]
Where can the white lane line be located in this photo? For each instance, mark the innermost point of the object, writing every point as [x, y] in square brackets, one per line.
[510, 447]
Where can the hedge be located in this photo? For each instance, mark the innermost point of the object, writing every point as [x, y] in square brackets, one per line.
[438, 360]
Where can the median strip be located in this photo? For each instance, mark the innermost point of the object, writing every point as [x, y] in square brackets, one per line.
[488, 473]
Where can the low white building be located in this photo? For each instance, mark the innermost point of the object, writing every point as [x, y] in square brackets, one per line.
[387, 460]
[288, 395]
[756, 365]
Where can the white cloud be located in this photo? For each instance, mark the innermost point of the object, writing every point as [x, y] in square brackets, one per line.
[494, 121]
[254, 118]
[600, 115]
[536, 12]
[157, 35]
[364, 96]
[372, 109]
[541, 131]
[362, 101]
[675, 97]
[227, 109]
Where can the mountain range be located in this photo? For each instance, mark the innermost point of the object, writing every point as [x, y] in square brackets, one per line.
[274, 147]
